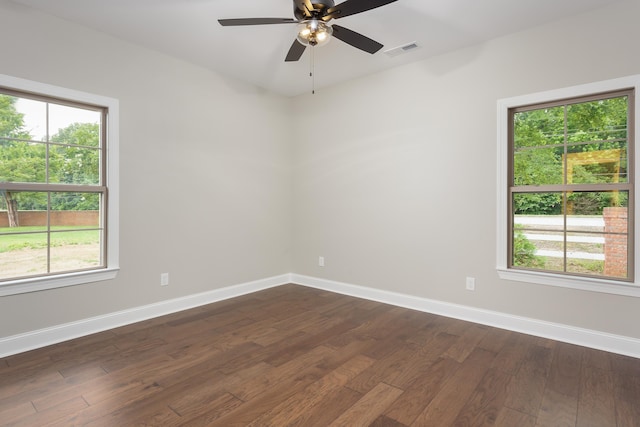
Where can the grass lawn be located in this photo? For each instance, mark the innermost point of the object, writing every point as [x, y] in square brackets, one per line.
[11, 239]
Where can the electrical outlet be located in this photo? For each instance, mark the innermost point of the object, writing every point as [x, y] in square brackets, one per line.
[321, 261]
[164, 279]
[471, 283]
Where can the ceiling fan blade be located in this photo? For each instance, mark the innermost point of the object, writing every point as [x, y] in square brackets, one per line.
[356, 39]
[295, 52]
[255, 21]
[351, 7]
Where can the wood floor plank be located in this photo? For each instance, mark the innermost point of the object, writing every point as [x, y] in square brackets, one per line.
[290, 352]
[511, 418]
[596, 406]
[566, 366]
[624, 365]
[294, 410]
[19, 411]
[526, 388]
[597, 359]
[330, 409]
[626, 399]
[55, 414]
[422, 360]
[383, 421]
[36, 383]
[385, 370]
[214, 410]
[142, 416]
[466, 343]
[446, 405]
[299, 356]
[190, 397]
[363, 320]
[371, 406]
[557, 409]
[255, 386]
[495, 339]
[513, 353]
[263, 402]
[67, 388]
[112, 406]
[487, 400]
[422, 391]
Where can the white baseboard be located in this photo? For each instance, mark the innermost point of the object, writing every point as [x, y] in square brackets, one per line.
[585, 337]
[599, 340]
[41, 338]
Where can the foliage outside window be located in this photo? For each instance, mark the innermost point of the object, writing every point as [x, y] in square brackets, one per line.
[53, 188]
[570, 186]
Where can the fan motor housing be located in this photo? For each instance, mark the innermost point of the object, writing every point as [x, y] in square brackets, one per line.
[318, 7]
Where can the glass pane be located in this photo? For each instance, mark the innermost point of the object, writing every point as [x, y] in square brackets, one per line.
[74, 165]
[602, 120]
[538, 204]
[34, 118]
[22, 161]
[585, 253]
[539, 127]
[75, 250]
[597, 163]
[537, 247]
[585, 208]
[23, 211]
[71, 125]
[75, 210]
[538, 166]
[23, 255]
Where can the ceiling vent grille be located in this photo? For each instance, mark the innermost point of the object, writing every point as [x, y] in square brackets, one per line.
[401, 49]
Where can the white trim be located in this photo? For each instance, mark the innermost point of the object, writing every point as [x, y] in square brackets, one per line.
[550, 279]
[113, 184]
[581, 283]
[570, 334]
[599, 340]
[23, 286]
[36, 339]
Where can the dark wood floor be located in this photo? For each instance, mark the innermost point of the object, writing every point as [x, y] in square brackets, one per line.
[299, 356]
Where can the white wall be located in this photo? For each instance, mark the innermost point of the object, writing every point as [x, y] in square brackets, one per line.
[399, 194]
[205, 170]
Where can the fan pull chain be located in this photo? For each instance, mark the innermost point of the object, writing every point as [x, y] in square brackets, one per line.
[312, 73]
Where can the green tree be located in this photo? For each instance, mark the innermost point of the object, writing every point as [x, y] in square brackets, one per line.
[75, 159]
[17, 159]
[524, 252]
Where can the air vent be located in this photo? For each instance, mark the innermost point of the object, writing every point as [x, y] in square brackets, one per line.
[401, 49]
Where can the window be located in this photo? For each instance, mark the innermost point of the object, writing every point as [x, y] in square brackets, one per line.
[58, 187]
[566, 187]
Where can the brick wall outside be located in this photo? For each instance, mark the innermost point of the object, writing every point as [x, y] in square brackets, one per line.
[615, 245]
[30, 218]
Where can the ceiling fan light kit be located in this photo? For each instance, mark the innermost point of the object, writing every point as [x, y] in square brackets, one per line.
[314, 33]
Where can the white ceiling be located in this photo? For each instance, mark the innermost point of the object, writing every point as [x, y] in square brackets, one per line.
[188, 29]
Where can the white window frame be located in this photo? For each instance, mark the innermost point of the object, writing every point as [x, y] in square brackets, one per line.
[19, 286]
[547, 278]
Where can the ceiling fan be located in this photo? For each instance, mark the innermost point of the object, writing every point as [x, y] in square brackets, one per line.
[312, 17]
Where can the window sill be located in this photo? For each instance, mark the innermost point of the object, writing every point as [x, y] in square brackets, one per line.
[59, 281]
[582, 283]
